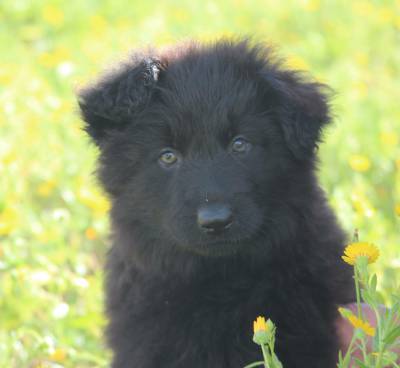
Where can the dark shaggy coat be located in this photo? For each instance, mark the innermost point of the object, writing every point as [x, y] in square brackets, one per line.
[208, 156]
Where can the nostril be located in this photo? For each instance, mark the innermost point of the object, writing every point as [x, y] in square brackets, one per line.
[214, 217]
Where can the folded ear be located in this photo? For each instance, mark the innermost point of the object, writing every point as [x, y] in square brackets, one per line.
[303, 110]
[115, 99]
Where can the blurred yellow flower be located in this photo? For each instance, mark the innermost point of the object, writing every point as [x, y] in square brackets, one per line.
[389, 138]
[363, 8]
[297, 63]
[181, 15]
[94, 200]
[397, 209]
[97, 23]
[8, 157]
[385, 15]
[362, 325]
[360, 249]
[53, 58]
[6, 74]
[361, 203]
[360, 88]
[91, 233]
[259, 324]
[359, 163]
[310, 5]
[59, 355]
[361, 58]
[46, 235]
[53, 15]
[46, 188]
[8, 220]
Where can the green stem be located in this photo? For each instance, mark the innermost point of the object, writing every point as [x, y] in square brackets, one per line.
[255, 364]
[381, 345]
[265, 355]
[364, 351]
[358, 294]
[359, 310]
[350, 348]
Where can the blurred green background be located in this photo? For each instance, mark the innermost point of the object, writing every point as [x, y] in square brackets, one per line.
[53, 226]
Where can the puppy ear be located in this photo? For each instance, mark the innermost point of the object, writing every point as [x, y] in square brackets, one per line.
[303, 110]
[112, 103]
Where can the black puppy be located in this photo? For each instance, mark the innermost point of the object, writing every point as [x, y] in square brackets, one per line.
[208, 155]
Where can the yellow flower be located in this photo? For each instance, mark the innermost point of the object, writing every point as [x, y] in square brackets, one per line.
[259, 324]
[359, 163]
[263, 331]
[8, 220]
[181, 15]
[59, 355]
[385, 15]
[360, 249]
[297, 63]
[53, 15]
[94, 200]
[361, 59]
[360, 88]
[46, 188]
[53, 58]
[362, 325]
[310, 5]
[97, 23]
[389, 138]
[361, 204]
[363, 8]
[397, 209]
[91, 233]
[6, 75]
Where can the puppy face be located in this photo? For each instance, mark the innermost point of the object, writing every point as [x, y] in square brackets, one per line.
[203, 149]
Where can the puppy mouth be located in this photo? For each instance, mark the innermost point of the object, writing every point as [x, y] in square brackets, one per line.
[218, 247]
[223, 241]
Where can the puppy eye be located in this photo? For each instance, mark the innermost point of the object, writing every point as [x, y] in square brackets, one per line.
[240, 145]
[168, 157]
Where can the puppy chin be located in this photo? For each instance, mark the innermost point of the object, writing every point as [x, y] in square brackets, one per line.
[214, 248]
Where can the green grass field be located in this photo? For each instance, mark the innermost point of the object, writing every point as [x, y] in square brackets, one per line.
[53, 224]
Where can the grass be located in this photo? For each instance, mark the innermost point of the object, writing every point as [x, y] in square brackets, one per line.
[53, 226]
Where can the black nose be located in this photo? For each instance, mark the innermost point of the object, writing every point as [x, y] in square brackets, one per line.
[214, 217]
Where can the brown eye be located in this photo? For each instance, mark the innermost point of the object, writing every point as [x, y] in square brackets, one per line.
[168, 157]
[240, 145]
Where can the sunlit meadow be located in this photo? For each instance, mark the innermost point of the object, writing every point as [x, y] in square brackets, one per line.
[53, 226]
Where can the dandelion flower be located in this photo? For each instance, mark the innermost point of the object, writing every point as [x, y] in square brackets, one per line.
[259, 324]
[262, 331]
[359, 163]
[360, 249]
[362, 325]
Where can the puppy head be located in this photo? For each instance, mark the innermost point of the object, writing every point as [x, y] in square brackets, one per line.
[202, 148]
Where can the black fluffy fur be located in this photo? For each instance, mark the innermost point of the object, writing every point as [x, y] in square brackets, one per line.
[179, 297]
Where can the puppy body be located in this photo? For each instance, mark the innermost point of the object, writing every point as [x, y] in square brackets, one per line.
[207, 153]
